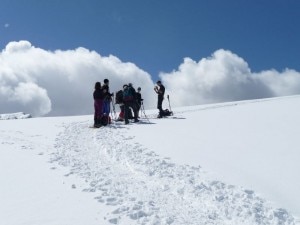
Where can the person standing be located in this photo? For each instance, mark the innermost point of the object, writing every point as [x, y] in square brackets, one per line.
[107, 97]
[129, 95]
[119, 100]
[160, 90]
[139, 100]
[98, 104]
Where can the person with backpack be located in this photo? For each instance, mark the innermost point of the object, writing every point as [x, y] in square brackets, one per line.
[120, 102]
[160, 91]
[98, 96]
[129, 99]
[139, 100]
[130, 116]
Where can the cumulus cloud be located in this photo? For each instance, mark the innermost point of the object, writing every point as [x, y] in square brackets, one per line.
[226, 77]
[41, 82]
[59, 82]
[28, 95]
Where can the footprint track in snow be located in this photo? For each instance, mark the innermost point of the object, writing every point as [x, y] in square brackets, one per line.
[149, 189]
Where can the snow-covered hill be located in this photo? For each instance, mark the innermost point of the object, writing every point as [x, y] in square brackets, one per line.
[229, 163]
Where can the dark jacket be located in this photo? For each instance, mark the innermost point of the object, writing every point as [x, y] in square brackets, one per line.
[139, 98]
[107, 94]
[161, 91]
[98, 94]
[119, 97]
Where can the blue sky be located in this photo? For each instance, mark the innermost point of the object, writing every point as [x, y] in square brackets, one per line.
[204, 51]
[156, 35]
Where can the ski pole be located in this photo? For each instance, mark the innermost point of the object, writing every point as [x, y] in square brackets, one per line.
[169, 102]
[143, 111]
[113, 105]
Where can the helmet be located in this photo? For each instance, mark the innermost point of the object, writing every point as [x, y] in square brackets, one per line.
[106, 81]
[139, 88]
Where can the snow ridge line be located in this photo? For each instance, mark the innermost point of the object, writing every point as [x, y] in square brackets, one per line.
[226, 104]
[144, 188]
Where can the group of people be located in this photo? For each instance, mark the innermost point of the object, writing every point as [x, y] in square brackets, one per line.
[102, 98]
[128, 98]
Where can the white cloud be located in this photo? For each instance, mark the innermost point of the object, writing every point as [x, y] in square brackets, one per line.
[37, 81]
[41, 82]
[32, 98]
[226, 77]
[6, 25]
[20, 46]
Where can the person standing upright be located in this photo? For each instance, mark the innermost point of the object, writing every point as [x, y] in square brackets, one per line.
[160, 90]
[139, 99]
[98, 104]
[107, 97]
[129, 95]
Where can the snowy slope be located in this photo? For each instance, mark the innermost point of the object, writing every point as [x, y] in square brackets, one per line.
[230, 163]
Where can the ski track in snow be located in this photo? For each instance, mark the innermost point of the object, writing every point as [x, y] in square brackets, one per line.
[144, 188]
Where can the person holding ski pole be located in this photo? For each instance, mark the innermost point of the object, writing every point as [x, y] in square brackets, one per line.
[160, 91]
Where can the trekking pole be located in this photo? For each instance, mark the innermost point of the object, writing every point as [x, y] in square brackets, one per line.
[110, 111]
[113, 107]
[143, 111]
[140, 111]
[169, 104]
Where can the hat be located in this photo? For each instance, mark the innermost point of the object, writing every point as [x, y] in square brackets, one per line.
[158, 82]
[125, 86]
[106, 81]
[130, 84]
[139, 88]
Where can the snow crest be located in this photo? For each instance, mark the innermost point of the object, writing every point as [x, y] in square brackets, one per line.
[11, 116]
[144, 188]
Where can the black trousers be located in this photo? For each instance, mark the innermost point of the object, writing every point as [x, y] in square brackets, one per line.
[159, 104]
[128, 105]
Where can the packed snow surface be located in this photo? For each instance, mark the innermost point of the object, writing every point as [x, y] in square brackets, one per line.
[229, 163]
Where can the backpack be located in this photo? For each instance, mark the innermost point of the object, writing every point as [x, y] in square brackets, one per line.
[128, 94]
[167, 112]
[105, 120]
[119, 97]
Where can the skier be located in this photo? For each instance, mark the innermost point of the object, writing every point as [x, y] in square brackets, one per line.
[98, 104]
[160, 90]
